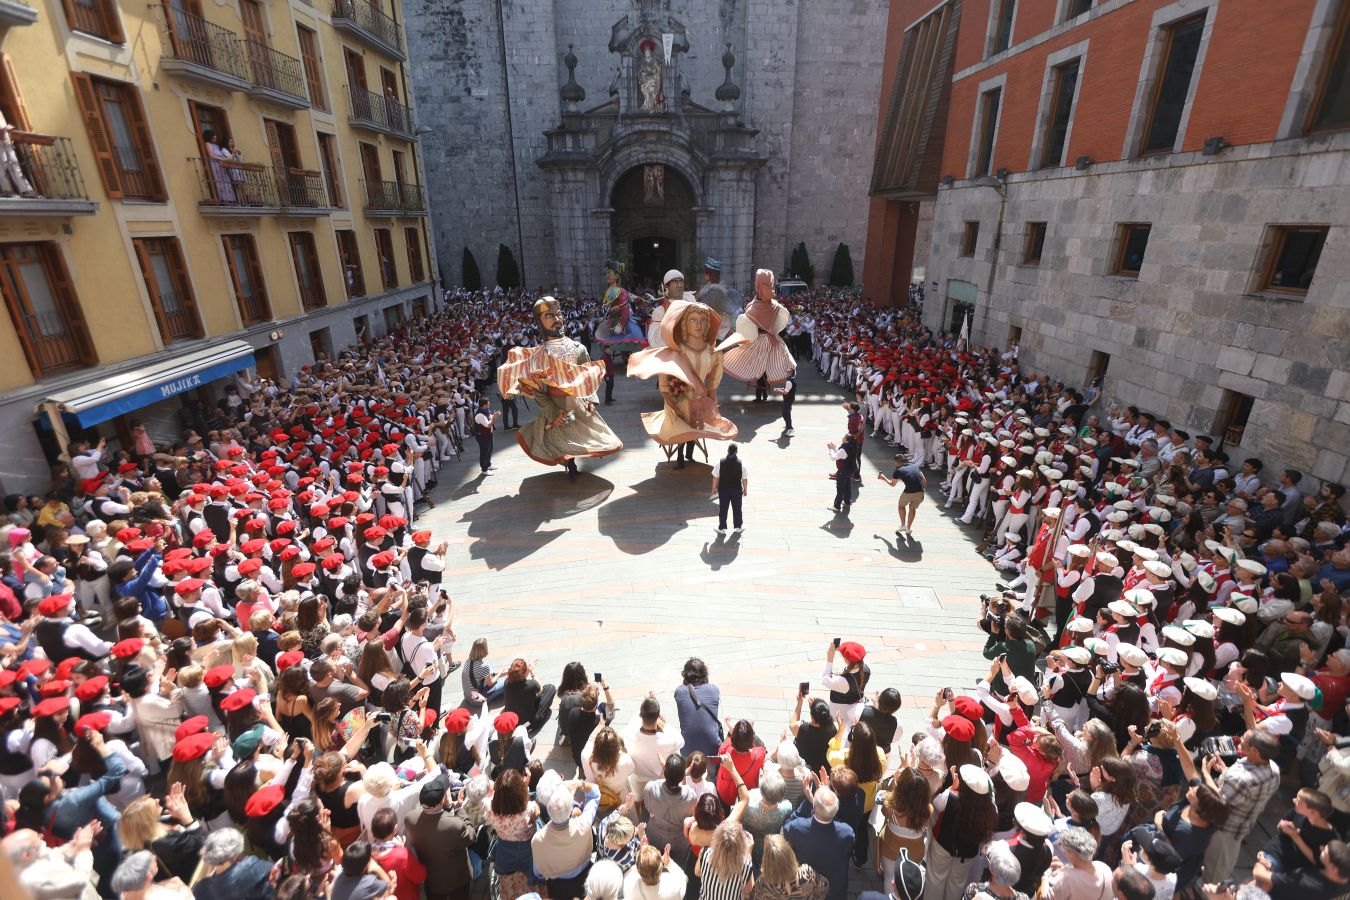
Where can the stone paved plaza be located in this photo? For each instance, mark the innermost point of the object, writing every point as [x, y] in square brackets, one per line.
[623, 570]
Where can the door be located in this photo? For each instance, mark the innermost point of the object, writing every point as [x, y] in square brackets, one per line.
[187, 31]
[400, 179]
[393, 105]
[217, 180]
[370, 168]
[255, 41]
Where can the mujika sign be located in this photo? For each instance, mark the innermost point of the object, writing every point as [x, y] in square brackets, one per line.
[182, 384]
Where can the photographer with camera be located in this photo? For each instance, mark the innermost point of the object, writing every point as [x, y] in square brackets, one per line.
[1008, 641]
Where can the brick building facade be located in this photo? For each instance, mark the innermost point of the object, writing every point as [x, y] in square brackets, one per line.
[1146, 191]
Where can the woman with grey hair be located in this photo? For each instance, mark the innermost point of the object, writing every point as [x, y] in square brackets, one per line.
[604, 881]
[226, 873]
[134, 879]
[767, 810]
[1004, 872]
[1081, 878]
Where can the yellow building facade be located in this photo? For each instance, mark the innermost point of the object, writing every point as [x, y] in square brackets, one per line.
[191, 189]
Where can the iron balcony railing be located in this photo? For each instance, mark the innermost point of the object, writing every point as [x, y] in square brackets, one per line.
[191, 38]
[371, 19]
[235, 184]
[49, 166]
[383, 111]
[274, 70]
[301, 189]
[394, 195]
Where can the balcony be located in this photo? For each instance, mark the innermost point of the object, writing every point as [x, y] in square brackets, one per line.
[200, 51]
[53, 345]
[369, 24]
[13, 13]
[54, 184]
[393, 198]
[277, 78]
[383, 115]
[302, 192]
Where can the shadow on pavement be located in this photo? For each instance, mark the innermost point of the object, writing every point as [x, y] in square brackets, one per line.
[506, 529]
[721, 552]
[660, 507]
[905, 549]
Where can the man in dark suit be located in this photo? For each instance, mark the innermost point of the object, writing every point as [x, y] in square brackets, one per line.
[441, 840]
[818, 839]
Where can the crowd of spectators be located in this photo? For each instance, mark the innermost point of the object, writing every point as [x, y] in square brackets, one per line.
[230, 668]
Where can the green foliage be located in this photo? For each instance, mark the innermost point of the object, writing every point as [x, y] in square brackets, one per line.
[800, 264]
[508, 273]
[470, 278]
[841, 271]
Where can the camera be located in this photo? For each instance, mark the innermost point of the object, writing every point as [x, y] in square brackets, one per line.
[996, 610]
[1109, 667]
[1152, 731]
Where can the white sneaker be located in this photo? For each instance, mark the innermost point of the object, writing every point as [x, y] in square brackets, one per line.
[721, 531]
[737, 530]
[789, 433]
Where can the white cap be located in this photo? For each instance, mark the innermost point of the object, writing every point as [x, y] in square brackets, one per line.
[1173, 657]
[1165, 500]
[1178, 635]
[1112, 535]
[1031, 818]
[1121, 608]
[1082, 551]
[1301, 685]
[1147, 554]
[1124, 505]
[1107, 559]
[1230, 615]
[1158, 568]
[1187, 562]
[1007, 460]
[1116, 517]
[1141, 597]
[1251, 566]
[1096, 646]
[1201, 688]
[1079, 656]
[1137, 531]
[974, 777]
[1206, 582]
[1080, 625]
[1014, 772]
[1012, 536]
[671, 276]
[1025, 690]
[1128, 545]
[1248, 605]
[1131, 654]
[1088, 442]
[1051, 513]
[1199, 627]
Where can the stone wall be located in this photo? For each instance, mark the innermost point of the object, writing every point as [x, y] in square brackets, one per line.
[1195, 322]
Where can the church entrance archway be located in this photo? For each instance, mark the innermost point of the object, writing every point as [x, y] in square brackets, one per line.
[653, 224]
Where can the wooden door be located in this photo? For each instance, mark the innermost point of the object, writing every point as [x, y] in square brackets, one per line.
[399, 175]
[389, 81]
[274, 146]
[255, 25]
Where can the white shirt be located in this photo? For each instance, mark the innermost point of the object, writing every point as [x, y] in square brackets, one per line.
[717, 470]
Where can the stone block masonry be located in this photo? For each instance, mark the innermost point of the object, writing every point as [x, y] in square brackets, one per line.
[1196, 322]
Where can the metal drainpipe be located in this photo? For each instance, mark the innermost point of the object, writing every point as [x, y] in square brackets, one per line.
[511, 140]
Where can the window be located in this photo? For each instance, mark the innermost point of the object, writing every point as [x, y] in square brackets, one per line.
[328, 156]
[384, 246]
[1065, 84]
[1331, 108]
[989, 104]
[393, 317]
[1234, 411]
[1180, 52]
[1031, 254]
[96, 17]
[309, 56]
[370, 170]
[1133, 243]
[1097, 366]
[1294, 254]
[308, 275]
[46, 313]
[170, 289]
[416, 272]
[321, 344]
[11, 100]
[1075, 8]
[970, 237]
[350, 256]
[117, 128]
[1001, 38]
[241, 254]
[1014, 336]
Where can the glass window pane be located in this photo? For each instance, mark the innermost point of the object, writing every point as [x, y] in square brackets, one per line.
[239, 256]
[1298, 259]
[41, 299]
[1333, 110]
[124, 143]
[1174, 85]
[1066, 80]
[169, 301]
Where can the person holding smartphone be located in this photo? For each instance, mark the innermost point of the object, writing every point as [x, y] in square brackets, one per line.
[847, 688]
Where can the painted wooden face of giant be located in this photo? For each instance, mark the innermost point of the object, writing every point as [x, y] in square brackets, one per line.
[695, 324]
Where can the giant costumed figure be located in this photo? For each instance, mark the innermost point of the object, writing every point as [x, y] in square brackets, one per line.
[725, 301]
[560, 376]
[688, 369]
[756, 349]
[618, 328]
[673, 283]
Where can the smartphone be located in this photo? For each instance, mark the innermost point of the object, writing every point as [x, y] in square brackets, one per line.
[804, 688]
[838, 641]
[947, 694]
[598, 679]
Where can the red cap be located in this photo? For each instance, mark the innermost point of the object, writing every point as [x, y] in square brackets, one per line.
[264, 800]
[959, 728]
[127, 648]
[188, 585]
[217, 676]
[248, 548]
[203, 539]
[250, 567]
[194, 746]
[91, 688]
[8, 705]
[852, 652]
[53, 605]
[54, 688]
[198, 566]
[333, 562]
[506, 722]
[421, 537]
[66, 666]
[390, 522]
[286, 527]
[96, 721]
[51, 707]
[128, 534]
[34, 667]
[968, 708]
[303, 570]
[178, 553]
[457, 720]
[289, 554]
[375, 533]
[288, 659]
[238, 700]
[194, 725]
[140, 545]
[382, 560]
[8, 677]
[323, 544]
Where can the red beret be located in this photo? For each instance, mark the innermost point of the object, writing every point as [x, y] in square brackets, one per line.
[34, 667]
[128, 534]
[852, 651]
[365, 518]
[286, 527]
[203, 539]
[238, 700]
[197, 566]
[8, 677]
[968, 708]
[319, 510]
[96, 721]
[382, 560]
[288, 659]
[337, 523]
[217, 676]
[194, 746]
[959, 728]
[251, 547]
[66, 666]
[127, 648]
[51, 706]
[8, 705]
[140, 545]
[457, 720]
[290, 553]
[194, 725]
[250, 567]
[421, 537]
[188, 585]
[54, 688]
[264, 800]
[323, 544]
[390, 521]
[51, 606]
[303, 570]
[506, 722]
[429, 718]
[91, 688]
[178, 553]
[333, 562]
[375, 534]
[255, 525]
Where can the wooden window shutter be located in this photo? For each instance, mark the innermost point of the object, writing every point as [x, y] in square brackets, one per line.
[185, 294]
[229, 240]
[13, 99]
[145, 143]
[112, 21]
[151, 286]
[64, 289]
[91, 110]
[255, 272]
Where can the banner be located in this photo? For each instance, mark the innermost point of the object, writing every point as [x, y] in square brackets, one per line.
[667, 44]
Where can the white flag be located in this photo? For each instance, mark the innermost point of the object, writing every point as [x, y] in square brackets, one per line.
[964, 339]
[667, 44]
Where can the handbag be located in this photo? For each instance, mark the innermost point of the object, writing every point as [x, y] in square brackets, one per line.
[693, 695]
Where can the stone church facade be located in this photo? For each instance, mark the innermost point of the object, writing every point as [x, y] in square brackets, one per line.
[655, 131]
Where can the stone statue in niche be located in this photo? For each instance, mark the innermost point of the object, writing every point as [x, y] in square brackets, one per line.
[654, 178]
[649, 77]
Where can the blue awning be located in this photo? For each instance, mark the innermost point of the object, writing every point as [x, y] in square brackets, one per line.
[109, 397]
